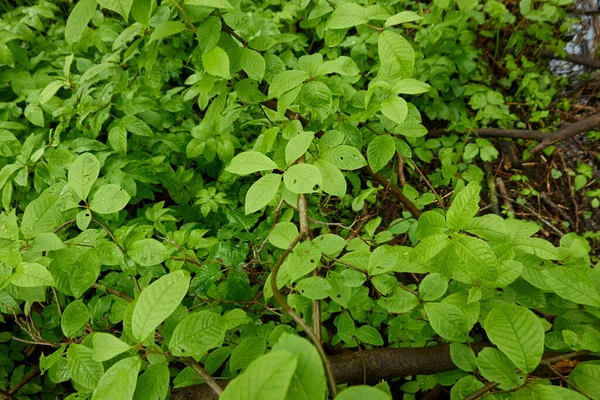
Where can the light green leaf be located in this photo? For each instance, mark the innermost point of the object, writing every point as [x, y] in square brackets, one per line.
[362, 393]
[540, 247]
[314, 287]
[402, 18]
[266, 378]
[342, 65]
[547, 392]
[74, 317]
[153, 384]
[107, 346]
[447, 320]
[31, 275]
[518, 333]
[464, 207]
[49, 91]
[347, 15]
[78, 20]
[573, 285]
[157, 302]
[249, 162]
[196, 334]
[119, 6]
[286, 81]
[141, 10]
[262, 192]
[475, 262]
[253, 64]
[394, 48]
[334, 182]
[344, 157]
[136, 126]
[380, 151]
[308, 381]
[433, 286]
[234, 318]
[119, 381]
[34, 114]
[117, 138]
[41, 215]
[399, 302]
[369, 335]
[302, 178]
[210, 3]
[410, 86]
[395, 108]
[83, 369]
[165, 29]
[83, 173]
[303, 260]
[431, 223]
[463, 356]
[494, 366]
[297, 146]
[209, 33]
[249, 349]
[587, 377]
[283, 234]
[216, 62]
[147, 252]
[109, 199]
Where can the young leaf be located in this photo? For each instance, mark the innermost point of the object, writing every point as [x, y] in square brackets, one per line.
[141, 10]
[286, 81]
[394, 48]
[518, 333]
[586, 376]
[253, 64]
[410, 86]
[147, 252]
[297, 146]
[380, 151]
[109, 199]
[347, 15]
[249, 162]
[342, 65]
[216, 62]
[49, 91]
[153, 384]
[78, 20]
[107, 346]
[261, 192]
[157, 302]
[334, 182]
[370, 335]
[196, 334]
[119, 381]
[464, 207]
[83, 173]
[402, 18]
[302, 178]
[395, 108]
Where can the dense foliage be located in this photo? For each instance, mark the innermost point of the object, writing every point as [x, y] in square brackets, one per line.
[191, 191]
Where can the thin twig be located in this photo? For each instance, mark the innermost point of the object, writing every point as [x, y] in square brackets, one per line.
[437, 196]
[113, 238]
[110, 290]
[205, 375]
[32, 374]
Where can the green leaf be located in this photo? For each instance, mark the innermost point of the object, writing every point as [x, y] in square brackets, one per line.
[266, 378]
[518, 333]
[447, 321]
[394, 48]
[75, 316]
[196, 334]
[46, 362]
[546, 392]
[342, 65]
[345, 157]
[402, 18]
[117, 138]
[107, 346]
[247, 351]
[302, 178]
[78, 20]
[147, 252]
[573, 285]
[463, 357]
[153, 384]
[369, 335]
[540, 247]
[119, 381]
[399, 302]
[83, 369]
[136, 126]
[304, 259]
[347, 15]
[249, 162]
[286, 81]
[157, 302]
[410, 86]
[141, 10]
[49, 91]
[308, 381]
[380, 151]
[165, 29]
[119, 6]
[431, 223]
[395, 108]
[362, 393]
[83, 173]
[216, 62]
[314, 287]
[253, 64]
[587, 377]
[234, 318]
[334, 182]
[494, 366]
[433, 286]
[34, 114]
[297, 146]
[464, 207]
[109, 199]
[41, 215]
[283, 234]
[210, 3]
[31, 275]
[262, 192]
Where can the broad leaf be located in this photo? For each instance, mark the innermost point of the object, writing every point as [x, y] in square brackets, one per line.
[83, 173]
[249, 162]
[119, 381]
[395, 108]
[572, 284]
[196, 334]
[78, 19]
[109, 199]
[262, 192]
[302, 178]
[464, 207]
[380, 151]
[147, 252]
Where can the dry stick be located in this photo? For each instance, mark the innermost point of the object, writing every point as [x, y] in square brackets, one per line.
[311, 334]
[545, 138]
[573, 58]
[565, 380]
[401, 177]
[376, 176]
[504, 194]
[205, 375]
[439, 199]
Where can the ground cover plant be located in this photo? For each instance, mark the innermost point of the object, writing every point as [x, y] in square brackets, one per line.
[297, 200]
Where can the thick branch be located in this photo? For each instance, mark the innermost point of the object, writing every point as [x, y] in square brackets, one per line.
[573, 58]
